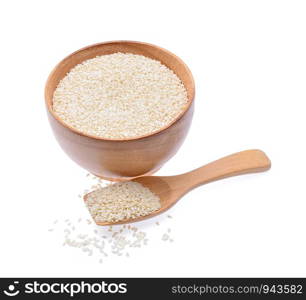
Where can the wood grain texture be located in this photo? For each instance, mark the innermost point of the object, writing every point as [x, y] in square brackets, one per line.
[121, 159]
[170, 189]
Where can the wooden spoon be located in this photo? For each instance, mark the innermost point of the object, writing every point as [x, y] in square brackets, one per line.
[171, 188]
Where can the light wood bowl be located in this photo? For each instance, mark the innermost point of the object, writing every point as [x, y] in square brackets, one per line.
[129, 158]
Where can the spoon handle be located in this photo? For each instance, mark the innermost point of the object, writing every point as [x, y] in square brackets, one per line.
[248, 161]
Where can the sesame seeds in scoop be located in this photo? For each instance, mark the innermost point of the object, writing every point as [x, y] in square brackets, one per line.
[119, 96]
[121, 201]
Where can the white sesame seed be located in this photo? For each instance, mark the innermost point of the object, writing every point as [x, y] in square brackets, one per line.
[165, 237]
[119, 96]
[120, 201]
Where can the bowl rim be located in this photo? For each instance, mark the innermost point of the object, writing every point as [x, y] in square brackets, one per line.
[156, 132]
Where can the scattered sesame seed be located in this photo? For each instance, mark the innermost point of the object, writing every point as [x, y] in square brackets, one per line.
[165, 237]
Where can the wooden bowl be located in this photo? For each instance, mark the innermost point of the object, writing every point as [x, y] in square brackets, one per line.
[128, 158]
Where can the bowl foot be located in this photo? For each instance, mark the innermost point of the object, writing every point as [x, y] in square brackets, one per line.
[120, 179]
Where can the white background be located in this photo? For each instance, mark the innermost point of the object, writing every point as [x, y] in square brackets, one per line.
[248, 59]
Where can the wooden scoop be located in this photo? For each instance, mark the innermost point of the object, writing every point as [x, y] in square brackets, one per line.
[171, 188]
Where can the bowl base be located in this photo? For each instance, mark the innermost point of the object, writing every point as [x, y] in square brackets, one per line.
[121, 179]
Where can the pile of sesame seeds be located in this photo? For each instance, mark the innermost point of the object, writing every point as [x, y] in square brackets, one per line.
[120, 95]
[120, 201]
[104, 242]
[101, 243]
